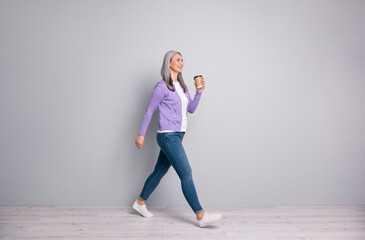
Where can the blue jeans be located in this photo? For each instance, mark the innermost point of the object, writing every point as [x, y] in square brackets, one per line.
[172, 153]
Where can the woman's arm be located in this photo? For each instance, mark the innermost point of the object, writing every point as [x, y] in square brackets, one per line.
[157, 95]
[192, 105]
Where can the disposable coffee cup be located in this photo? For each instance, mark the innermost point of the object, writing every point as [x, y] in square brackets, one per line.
[197, 81]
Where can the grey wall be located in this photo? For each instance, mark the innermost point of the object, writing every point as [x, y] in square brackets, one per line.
[281, 120]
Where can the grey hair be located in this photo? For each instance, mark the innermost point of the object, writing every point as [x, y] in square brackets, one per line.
[165, 71]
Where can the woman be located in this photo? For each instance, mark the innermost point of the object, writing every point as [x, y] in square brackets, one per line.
[173, 101]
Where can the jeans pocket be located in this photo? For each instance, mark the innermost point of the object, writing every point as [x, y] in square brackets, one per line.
[166, 137]
[162, 139]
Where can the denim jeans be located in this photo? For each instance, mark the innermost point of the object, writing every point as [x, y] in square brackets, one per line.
[172, 153]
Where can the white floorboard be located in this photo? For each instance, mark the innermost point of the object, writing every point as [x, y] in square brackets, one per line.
[178, 222]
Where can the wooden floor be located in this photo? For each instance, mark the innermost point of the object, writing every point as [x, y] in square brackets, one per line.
[178, 222]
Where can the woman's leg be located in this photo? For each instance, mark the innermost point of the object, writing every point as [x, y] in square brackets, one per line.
[161, 168]
[171, 145]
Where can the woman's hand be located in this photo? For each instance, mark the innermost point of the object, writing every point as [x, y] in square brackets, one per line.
[202, 82]
[139, 141]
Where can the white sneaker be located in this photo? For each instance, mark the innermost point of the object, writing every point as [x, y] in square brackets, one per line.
[209, 218]
[142, 209]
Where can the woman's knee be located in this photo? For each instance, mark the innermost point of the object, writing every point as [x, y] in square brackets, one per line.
[163, 170]
[186, 174]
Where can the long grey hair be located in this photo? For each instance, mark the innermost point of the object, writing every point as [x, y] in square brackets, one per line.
[165, 71]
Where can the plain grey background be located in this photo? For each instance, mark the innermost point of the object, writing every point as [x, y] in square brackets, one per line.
[281, 120]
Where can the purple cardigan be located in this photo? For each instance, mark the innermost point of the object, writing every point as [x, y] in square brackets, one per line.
[169, 108]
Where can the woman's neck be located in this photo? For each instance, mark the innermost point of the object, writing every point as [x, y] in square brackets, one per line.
[174, 76]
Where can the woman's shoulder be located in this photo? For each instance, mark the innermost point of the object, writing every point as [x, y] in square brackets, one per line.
[160, 87]
[161, 84]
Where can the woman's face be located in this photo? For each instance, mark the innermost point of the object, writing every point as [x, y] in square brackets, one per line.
[176, 63]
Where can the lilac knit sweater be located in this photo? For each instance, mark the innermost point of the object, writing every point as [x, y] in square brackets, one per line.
[169, 108]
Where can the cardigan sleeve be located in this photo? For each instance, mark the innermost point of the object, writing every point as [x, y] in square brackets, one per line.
[159, 92]
[193, 104]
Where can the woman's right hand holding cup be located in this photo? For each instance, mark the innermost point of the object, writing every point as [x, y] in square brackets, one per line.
[199, 83]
